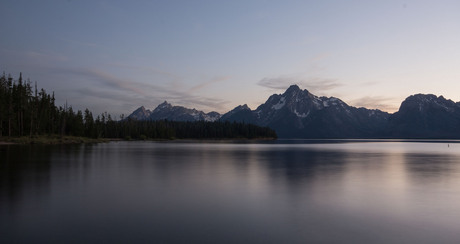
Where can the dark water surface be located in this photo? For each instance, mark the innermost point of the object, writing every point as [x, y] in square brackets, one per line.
[283, 192]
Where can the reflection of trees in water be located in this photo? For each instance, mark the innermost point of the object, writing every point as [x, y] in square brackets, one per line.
[23, 170]
[26, 170]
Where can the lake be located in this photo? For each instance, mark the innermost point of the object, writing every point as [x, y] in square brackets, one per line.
[291, 191]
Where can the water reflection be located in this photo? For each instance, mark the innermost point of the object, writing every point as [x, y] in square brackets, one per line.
[375, 192]
[24, 170]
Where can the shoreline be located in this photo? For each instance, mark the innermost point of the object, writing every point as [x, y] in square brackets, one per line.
[58, 140]
[6, 143]
[49, 140]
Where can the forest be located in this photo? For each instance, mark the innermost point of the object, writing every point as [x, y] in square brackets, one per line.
[27, 111]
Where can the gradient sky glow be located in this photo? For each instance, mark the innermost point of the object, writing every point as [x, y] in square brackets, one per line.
[115, 56]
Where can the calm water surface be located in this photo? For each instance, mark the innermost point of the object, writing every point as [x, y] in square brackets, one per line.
[272, 192]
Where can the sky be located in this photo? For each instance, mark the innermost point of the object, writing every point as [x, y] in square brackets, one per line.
[116, 56]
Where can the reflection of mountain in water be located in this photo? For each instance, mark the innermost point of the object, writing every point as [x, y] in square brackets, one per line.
[277, 192]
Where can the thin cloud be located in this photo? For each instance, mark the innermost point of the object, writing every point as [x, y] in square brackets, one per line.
[120, 90]
[388, 104]
[208, 83]
[98, 93]
[211, 103]
[321, 84]
[106, 79]
[314, 84]
[276, 83]
[319, 57]
[369, 83]
[147, 69]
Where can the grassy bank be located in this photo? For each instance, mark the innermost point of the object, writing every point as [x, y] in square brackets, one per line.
[50, 140]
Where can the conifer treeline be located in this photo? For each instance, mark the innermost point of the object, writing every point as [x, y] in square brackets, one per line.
[27, 111]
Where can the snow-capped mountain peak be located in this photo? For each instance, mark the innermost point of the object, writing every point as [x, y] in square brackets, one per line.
[295, 101]
[164, 105]
[298, 113]
[294, 110]
[178, 113]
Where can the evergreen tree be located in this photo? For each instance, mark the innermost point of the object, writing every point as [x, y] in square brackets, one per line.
[24, 111]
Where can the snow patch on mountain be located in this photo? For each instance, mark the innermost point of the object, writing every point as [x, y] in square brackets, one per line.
[177, 113]
[317, 102]
[303, 115]
[280, 104]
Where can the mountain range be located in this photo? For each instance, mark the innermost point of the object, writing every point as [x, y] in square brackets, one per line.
[299, 114]
[174, 113]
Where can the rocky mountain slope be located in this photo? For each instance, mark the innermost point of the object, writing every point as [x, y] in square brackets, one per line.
[425, 116]
[299, 114]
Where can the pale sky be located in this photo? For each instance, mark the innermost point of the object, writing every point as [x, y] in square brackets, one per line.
[115, 56]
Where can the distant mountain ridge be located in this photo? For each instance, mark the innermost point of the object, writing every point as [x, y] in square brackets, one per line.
[426, 116]
[299, 114]
[175, 113]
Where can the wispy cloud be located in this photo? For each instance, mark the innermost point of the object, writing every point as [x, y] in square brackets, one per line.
[107, 80]
[369, 83]
[319, 57]
[119, 90]
[147, 69]
[136, 86]
[208, 83]
[314, 84]
[389, 104]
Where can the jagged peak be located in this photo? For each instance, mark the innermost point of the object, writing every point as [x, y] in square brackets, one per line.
[422, 96]
[242, 107]
[421, 102]
[163, 105]
[141, 108]
[295, 92]
[293, 88]
[239, 108]
[213, 113]
[140, 113]
[426, 98]
[333, 100]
